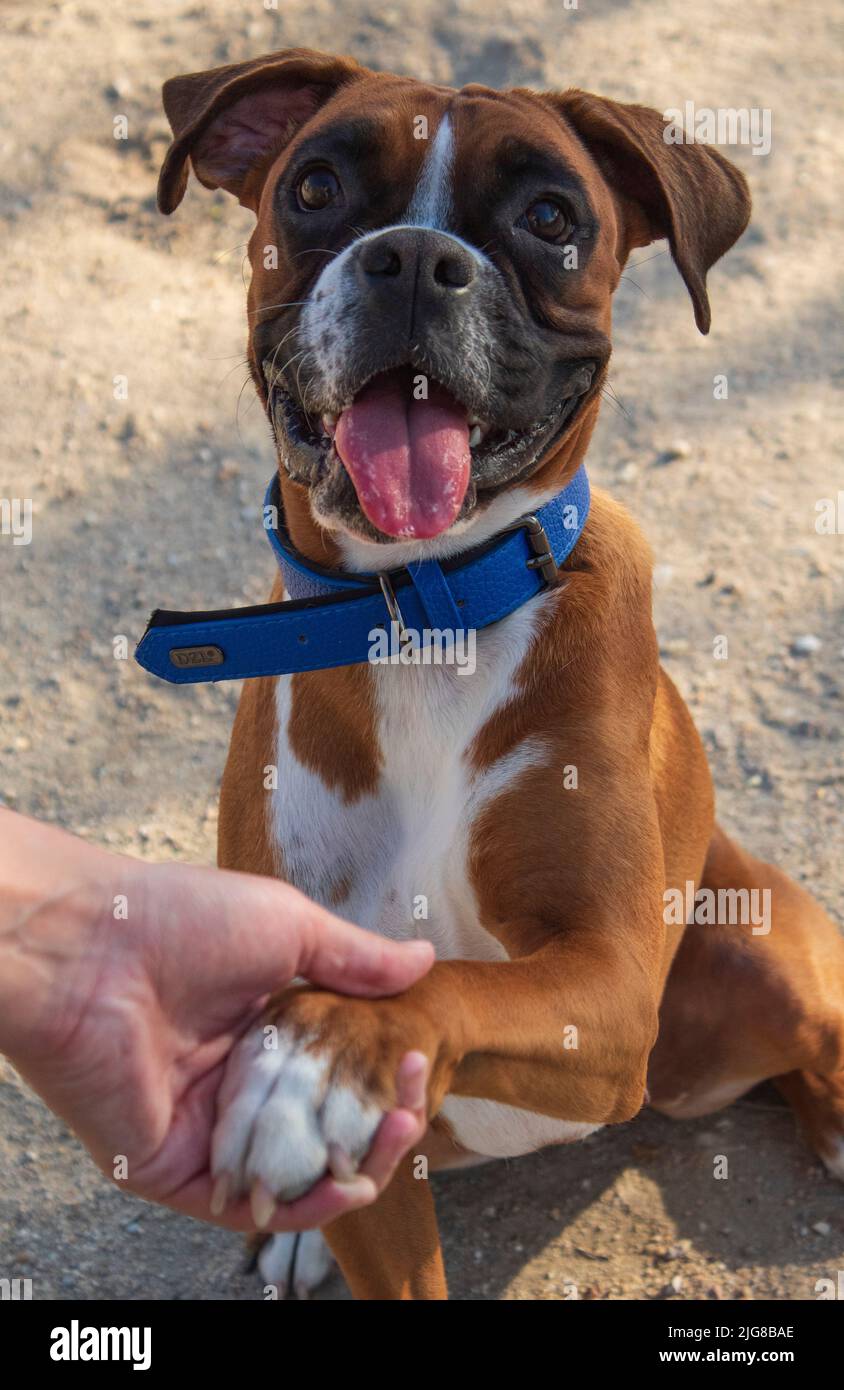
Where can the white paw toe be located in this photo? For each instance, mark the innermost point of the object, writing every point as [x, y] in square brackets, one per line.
[296, 1263]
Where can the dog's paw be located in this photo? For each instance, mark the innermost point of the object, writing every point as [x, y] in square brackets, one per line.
[296, 1264]
[288, 1112]
[304, 1094]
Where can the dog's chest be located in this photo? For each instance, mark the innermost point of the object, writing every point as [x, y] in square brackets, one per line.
[396, 861]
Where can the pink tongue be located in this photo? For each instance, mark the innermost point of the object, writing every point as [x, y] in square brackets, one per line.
[409, 460]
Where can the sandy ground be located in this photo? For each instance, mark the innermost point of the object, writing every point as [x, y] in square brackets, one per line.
[155, 501]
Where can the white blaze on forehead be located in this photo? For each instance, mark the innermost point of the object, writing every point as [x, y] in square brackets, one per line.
[430, 205]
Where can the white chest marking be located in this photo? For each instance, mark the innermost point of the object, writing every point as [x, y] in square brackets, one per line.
[403, 851]
[504, 1131]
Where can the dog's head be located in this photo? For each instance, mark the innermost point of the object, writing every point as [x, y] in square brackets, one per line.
[432, 270]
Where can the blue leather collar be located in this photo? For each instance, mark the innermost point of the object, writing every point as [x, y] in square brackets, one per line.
[331, 615]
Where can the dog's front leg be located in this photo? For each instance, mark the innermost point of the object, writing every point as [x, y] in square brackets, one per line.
[565, 1031]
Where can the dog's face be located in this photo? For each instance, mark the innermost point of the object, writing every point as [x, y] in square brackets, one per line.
[432, 270]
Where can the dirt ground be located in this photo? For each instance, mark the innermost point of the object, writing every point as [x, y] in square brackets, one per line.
[154, 500]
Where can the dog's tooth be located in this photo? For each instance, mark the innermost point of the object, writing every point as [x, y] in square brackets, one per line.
[329, 423]
[262, 1203]
[220, 1194]
[475, 437]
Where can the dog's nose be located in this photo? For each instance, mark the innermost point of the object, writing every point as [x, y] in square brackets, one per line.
[416, 260]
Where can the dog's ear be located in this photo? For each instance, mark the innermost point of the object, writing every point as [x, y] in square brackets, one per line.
[229, 120]
[688, 193]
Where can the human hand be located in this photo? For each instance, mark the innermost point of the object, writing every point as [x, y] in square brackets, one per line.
[124, 985]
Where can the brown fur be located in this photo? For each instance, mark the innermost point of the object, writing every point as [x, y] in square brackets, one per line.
[571, 883]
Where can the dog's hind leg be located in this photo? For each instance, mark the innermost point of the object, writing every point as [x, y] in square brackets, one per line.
[743, 1006]
[818, 1102]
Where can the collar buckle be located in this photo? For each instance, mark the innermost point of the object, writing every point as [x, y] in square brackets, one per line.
[542, 558]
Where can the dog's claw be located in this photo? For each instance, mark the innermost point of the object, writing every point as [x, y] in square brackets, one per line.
[340, 1164]
[220, 1194]
[262, 1203]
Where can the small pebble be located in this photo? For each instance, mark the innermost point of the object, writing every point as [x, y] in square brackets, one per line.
[680, 449]
[806, 645]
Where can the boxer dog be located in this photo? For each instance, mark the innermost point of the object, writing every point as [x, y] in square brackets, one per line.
[532, 818]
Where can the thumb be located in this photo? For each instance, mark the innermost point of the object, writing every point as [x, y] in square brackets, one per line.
[267, 933]
[342, 957]
[327, 951]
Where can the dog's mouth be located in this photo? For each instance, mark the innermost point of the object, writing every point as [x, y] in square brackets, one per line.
[409, 453]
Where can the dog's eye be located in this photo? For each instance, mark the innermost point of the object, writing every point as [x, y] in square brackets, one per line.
[317, 189]
[548, 220]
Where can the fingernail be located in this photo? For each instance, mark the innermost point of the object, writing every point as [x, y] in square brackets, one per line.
[413, 1063]
[412, 1080]
[361, 1189]
[262, 1203]
[219, 1196]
